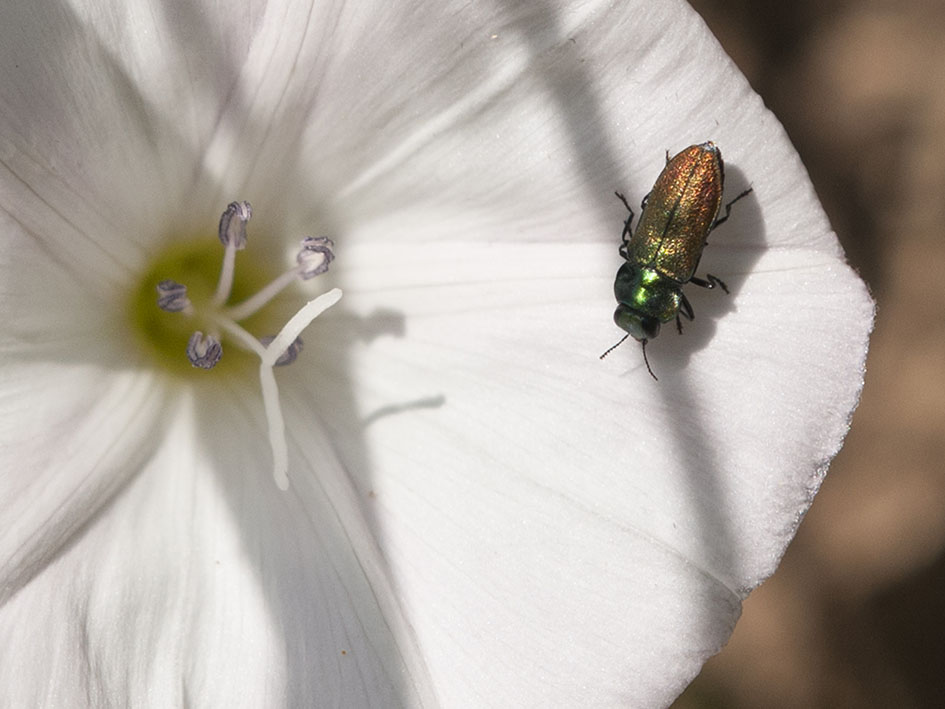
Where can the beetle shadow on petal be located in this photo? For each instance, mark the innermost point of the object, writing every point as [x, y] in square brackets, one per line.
[721, 540]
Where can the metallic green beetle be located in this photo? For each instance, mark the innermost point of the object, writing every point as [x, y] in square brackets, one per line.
[664, 250]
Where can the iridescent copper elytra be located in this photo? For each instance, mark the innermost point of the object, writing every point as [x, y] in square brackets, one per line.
[664, 250]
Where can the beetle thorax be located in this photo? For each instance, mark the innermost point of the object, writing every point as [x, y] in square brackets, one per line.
[646, 291]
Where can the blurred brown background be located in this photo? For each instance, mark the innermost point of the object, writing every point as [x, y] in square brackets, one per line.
[855, 616]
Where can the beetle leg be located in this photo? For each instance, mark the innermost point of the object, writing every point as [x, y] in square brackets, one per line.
[685, 309]
[728, 209]
[717, 281]
[625, 234]
[710, 282]
[627, 205]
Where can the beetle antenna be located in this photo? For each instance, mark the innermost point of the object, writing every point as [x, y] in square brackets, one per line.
[647, 362]
[615, 346]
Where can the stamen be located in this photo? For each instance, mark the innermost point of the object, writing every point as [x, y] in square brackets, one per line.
[204, 351]
[249, 306]
[172, 297]
[315, 255]
[247, 341]
[232, 233]
[290, 355]
[313, 258]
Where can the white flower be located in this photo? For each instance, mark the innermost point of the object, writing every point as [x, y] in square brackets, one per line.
[481, 513]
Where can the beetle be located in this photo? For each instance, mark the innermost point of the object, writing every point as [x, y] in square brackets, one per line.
[661, 255]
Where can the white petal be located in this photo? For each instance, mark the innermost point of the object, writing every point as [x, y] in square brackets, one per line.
[204, 585]
[108, 110]
[73, 435]
[578, 533]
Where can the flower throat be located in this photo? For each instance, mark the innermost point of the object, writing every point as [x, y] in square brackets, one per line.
[193, 328]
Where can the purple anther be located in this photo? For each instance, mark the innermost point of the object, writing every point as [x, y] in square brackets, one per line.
[315, 255]
[172, 296]
[287, 357]
[204, 351]
[233, 224]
